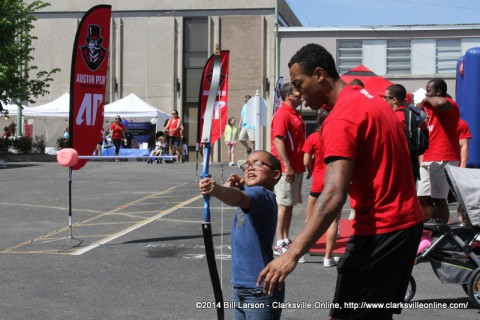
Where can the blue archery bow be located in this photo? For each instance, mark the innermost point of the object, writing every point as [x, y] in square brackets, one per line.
[206, 226]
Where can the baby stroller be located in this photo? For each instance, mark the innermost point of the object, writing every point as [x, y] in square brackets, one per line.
[453, 249]
[161, 148]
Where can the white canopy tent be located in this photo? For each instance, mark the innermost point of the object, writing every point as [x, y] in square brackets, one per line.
[58, 108]
[133, 107]
[13, 109]
[48, 117]
[129, 107]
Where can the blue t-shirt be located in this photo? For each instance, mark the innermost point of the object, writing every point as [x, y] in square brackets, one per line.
[253, 232]
[243, 114]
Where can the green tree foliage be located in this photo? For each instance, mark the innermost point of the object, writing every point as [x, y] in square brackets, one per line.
[19, 78]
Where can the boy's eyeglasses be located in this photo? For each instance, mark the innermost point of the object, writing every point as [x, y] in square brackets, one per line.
[255, 165]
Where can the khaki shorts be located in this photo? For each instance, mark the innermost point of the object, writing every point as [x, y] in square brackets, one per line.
[289, 194]
[433, 179]
[246, 134]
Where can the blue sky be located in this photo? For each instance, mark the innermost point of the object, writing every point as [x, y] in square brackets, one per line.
[384, 12]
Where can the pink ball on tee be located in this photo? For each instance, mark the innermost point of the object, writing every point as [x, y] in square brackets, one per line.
[67, 157]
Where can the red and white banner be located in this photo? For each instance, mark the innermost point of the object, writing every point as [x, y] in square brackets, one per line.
[220, 112]
[88, 81]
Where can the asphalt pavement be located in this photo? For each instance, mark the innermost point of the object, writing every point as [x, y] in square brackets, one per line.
[135, 249]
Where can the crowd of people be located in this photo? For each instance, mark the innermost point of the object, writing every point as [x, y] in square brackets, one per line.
[360, 143]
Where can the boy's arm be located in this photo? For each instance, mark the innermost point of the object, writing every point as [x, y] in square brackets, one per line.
[229, 195]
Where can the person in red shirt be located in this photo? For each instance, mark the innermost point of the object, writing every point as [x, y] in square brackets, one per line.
[118, 134]
[174, 127]
[395, 96]
[313, 161]
[442, 121]
[288, 137]
[366, 157]
[464, 136]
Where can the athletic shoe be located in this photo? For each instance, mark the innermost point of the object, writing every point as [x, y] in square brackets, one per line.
[329, 262]
[302, 259]
[281, 249]
[232, 164]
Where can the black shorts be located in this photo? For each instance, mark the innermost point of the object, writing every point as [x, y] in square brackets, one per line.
[375, 268]
[175, 141]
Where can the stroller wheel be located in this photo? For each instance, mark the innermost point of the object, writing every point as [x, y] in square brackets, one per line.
[411, 289]
[474, 287]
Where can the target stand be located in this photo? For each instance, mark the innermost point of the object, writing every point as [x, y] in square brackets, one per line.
[68, 157]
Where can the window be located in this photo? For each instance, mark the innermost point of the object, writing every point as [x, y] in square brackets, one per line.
[349, 55]
[447, 53]
[399, 57]
[195, 54]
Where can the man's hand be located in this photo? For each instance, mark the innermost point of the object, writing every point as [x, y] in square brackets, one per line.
[289, 174]
[275, 273]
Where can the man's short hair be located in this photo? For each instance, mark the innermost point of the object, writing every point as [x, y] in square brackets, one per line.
[286, 88]
[439, 84]
[397, 91]
[312, 56]
[357, 82]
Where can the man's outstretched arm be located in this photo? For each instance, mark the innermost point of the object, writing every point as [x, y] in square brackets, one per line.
[337, 181]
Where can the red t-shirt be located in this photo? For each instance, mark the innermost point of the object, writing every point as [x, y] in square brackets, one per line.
[443, 138]
[172, 125]
[400, 115]
[314, 146]
[288, 123]
[364, 128]
[117, 131]
[463, 131]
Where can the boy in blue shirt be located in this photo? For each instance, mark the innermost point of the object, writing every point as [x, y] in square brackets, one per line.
[253, 232]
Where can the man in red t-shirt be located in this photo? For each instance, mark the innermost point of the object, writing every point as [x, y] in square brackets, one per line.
[366, 156]
[288, 137]
[442, 121]
[395, 96]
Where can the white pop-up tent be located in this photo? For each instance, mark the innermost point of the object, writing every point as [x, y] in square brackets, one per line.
[129, 107]
[12, 109]
[58, 108]
[133, 107]
[48, 117]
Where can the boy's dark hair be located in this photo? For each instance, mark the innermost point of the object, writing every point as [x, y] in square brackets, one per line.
[313, 55]
[286, 88]
[398, 91]
[439, 84]
[274, 162]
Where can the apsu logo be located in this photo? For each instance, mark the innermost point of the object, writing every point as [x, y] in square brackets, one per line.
[210, 74]
[93, 53]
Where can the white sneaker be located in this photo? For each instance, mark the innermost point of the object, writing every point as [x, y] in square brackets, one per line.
[302, 259]
[232, 164]
[329, 262]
